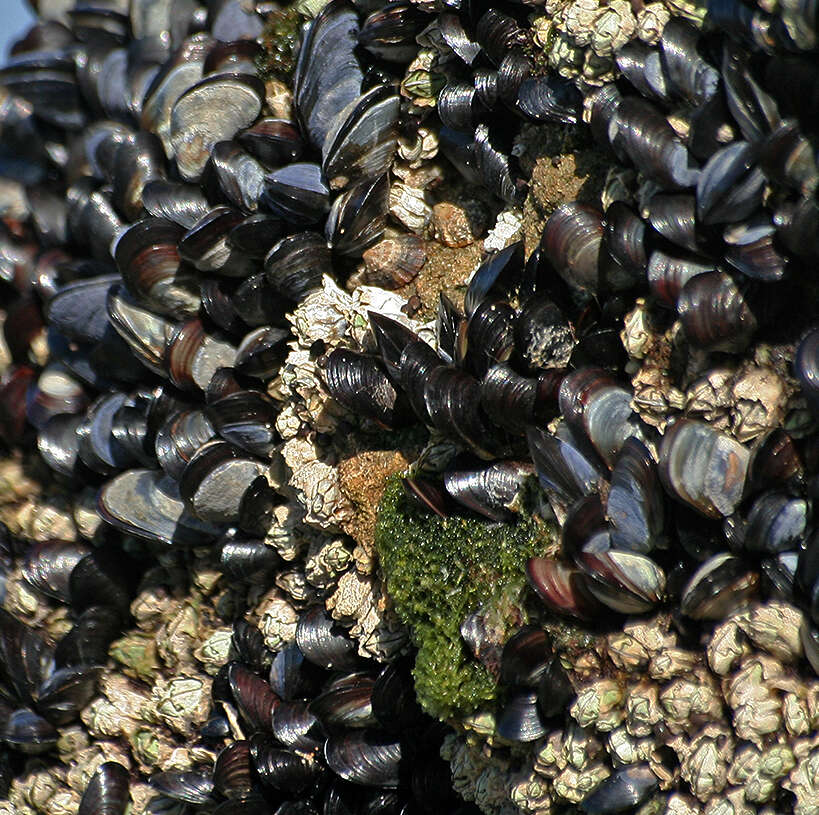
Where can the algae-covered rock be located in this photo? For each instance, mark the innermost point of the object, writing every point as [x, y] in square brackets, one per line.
[438, 571]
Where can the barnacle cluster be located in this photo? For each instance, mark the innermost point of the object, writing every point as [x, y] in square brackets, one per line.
[353, 465]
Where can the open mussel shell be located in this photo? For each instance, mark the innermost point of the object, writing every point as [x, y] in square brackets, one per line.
[107, 792]
[323, 642]
[721, 586]
[214, 481]
[147, 503]
[345, 702]
[703, 467]
[364, 757]
[213, 110]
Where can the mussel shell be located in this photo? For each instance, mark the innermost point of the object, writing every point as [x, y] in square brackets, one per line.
[49, 564]
[297, 193]
[295, 265]
[562, 588]
[346, 702]
[703, 467]
[254, 698]
[284, 770]
[626, 582]
[107, 792]
[520, 720]
[66, 692]
[550, 98]
[188, 786]
[297, 727]
[720, 587]
[323, 642]
[525, 657]
[623, 790]
[232, 771]
[360, 383]
[364, 757]
[28, 732]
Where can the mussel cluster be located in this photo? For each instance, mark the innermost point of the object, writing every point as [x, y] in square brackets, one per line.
[173, 213]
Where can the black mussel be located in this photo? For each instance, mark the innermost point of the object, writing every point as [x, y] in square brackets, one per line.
[88, 640]
[775, 462]
[497, 169]
[751, 248]
[55, 392]
[519, 720]
[297, 193]
[248, 643]
[667, 275]
[595, 406]
[178, 439]
[49, 564]
[66, 692]
[514, 402]
[138, 160]
[809, 636]
[360, 384]
[585, 528]
[573, 241]
[490, 336]
[714, 313]
[358, 217]
[206, 246]
[543, 336]
[345, 702]
[775, 523]
[703, 468]
[390, 33]
[295, 265]
[688, 74]
[188, 786]
[26, 731]
[214, 481]
[525, 657]
[292, 677]
[624, 790]
[252, 560]
[498, 33]
[391, 337]
[97, 447]
[213, 110]
[254, 698]
[513, 70]
[730, 186]
[454, 35]
[562, 588]
[602, 104]
[806, 366]
[107, 792]
[550, 98]
[625, 237]
[554, 690]
[635, 504]
[255, 235]
[626, 582]
[246, 419]
[239, 176]
[103, 578]
[362, 144]
[640, 131]
[490, 491]
[393, 698]
[328, 76]
[261, 353]
[498, 276]
[673, 216]
[426, 495]
[232, 771]
[753, 109]
[147, 504]
[364, 757]
[284, 770]
[721, 586]
[457, 106]
[298, 728]
[644, 69]
[272, 141]
[182, 203]
[256, 302]
[323, 642]
[564, 471]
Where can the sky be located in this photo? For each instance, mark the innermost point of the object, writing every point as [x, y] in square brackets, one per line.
[15, 19]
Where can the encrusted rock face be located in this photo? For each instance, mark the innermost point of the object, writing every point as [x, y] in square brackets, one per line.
[362, 368]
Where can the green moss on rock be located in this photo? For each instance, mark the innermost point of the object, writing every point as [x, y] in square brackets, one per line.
[440, 570]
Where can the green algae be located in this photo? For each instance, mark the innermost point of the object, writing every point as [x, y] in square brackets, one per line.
[280, 44]
[439, 570]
